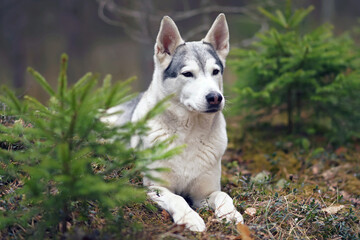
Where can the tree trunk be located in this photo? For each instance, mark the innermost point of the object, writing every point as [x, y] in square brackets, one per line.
[327, 10]
[146, 49]
[13, 22]
[290, 111]
[298, 110]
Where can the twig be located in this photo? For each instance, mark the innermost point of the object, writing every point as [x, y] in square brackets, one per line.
[266, 218]
[141, 32]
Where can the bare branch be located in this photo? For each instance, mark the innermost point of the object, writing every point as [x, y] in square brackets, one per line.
[101, 14]
[178, 16]
[135, 35]
[114, 8]
[143, 18]
[196, 31]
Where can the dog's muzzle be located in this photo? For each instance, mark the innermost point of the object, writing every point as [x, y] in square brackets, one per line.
[214, 102]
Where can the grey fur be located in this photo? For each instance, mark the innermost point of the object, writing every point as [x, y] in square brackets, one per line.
[127, 110]
[198, 51]
[213, 53]
[131, 105]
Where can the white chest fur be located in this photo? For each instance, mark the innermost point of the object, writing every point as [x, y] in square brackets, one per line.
[205, 139]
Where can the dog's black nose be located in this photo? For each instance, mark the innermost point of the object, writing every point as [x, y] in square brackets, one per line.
[214, 98]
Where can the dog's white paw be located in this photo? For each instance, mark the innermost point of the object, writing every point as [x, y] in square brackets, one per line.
[191, 220]
[231, 216]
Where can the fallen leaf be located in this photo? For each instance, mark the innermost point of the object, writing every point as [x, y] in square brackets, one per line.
[333, 209]
[340, 150]
[250, 211]
[244, 232]
[177, 228]
[315, 169]
[165, 214]
[348, 197]
[332, 172]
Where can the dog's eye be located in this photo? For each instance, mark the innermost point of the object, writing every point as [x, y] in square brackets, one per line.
[187, 74]
[215, 72]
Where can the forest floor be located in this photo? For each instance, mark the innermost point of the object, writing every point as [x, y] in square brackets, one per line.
[285, 187]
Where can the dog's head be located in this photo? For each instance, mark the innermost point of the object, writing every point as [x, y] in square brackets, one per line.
[193, 70]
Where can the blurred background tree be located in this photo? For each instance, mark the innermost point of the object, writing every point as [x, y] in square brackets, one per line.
[312, 77]
[34, 33]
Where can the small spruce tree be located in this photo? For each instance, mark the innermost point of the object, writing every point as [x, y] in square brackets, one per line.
[69, 159]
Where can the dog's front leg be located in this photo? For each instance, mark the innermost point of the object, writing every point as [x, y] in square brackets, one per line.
[177, 207]
[224, 207]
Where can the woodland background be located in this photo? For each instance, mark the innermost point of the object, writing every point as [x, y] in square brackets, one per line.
[292, 62]
[35, 33]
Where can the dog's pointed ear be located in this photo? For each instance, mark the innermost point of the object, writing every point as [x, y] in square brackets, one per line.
[218, 36]
[168, 39]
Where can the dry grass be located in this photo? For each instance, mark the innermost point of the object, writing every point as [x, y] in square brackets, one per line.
[283, 190]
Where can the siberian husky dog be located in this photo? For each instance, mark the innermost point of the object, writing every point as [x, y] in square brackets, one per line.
[192, 72]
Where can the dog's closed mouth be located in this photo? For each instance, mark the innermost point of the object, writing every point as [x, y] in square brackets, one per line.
[212, 110]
